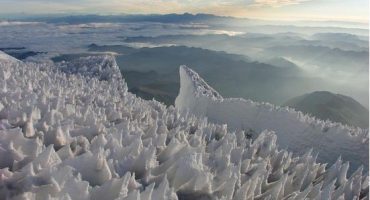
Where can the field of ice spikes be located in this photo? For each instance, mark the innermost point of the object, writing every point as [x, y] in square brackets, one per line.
[73, 131]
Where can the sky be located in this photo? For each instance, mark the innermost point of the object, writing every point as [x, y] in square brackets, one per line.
[338, 10]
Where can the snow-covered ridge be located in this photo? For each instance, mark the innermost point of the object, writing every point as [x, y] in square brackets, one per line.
[100, 67]
[6, 58]
[295, 131]
[67, 136]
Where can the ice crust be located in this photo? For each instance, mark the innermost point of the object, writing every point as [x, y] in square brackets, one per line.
[295, 131]
[68, 135]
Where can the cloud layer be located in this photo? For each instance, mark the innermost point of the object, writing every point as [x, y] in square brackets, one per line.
[276, 9]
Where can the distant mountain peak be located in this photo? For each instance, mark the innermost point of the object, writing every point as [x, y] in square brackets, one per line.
[329, 106]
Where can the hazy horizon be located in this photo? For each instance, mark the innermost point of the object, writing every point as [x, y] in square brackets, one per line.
[287, 10]
[24, 15]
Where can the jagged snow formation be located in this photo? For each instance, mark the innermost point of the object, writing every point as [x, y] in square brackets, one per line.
[295, 131]
[76, 136]
[100, 67]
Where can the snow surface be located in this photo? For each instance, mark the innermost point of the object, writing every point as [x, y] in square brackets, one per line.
[295, 131]
[67, 135]
[6, 58]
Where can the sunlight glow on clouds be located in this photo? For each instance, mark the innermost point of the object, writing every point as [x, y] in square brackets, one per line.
[356, 10]
[277, 3]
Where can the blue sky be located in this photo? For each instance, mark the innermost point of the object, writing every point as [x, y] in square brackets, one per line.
[347, 10]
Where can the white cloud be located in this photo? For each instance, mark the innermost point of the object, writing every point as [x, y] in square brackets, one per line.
[16, 23]
[277, 3]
